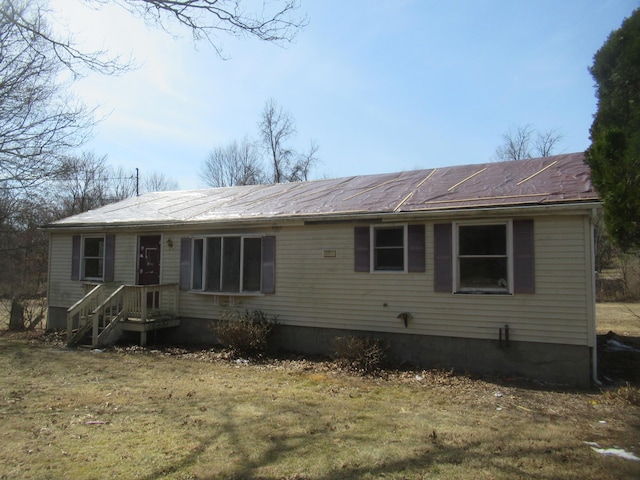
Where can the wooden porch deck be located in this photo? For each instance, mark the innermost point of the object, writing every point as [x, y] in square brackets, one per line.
[151, 324]
[136, 308]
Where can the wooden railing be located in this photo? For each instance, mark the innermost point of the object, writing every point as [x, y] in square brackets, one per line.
[140, 303]
[110, 309]
[143, 302]
[79, 314]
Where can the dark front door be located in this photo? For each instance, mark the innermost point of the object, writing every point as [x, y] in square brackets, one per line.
[149, 260]
[149, 266]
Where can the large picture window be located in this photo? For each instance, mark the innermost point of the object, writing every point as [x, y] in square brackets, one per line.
[231, 264]
[483, 258]
[93, 250]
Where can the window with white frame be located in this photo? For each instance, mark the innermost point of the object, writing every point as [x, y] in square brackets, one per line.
[93, 249]
[389, 248]
[231, 264]
[483, 253]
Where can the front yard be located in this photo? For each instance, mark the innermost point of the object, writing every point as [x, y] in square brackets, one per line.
[149, 414]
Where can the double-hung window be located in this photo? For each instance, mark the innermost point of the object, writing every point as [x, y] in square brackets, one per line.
[483, 258]
[93, 250]
[227, 264]
[389, 249]
[93, 257]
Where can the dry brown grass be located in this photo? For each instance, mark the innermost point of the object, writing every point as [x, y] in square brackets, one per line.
[149, 415]
[621, 318]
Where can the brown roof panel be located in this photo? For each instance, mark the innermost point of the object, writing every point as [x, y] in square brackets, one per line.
[551, 180]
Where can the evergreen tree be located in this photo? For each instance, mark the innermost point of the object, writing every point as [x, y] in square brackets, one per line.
[614, 154]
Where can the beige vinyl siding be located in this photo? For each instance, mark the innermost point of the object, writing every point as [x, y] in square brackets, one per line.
[64, 292]
[126, 261]
[326, 292]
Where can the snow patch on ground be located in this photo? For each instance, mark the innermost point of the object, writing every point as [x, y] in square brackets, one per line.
[614, 452]
[616, 346]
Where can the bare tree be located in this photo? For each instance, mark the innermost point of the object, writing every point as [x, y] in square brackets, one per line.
[123, 184]
[23, 257]
[546, 142]
[274, 21]
[28, 16]
[524, 142]
[277, 128]
[237, 163]
[37, 120]
[83, 183]
[158, 182]
[270, 20]
[301, 169]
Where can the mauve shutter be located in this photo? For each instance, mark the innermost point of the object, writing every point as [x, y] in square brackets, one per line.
[442, 257]
[109, 257]
[362, 255]
[185, 263]
[269, 264]
[416, 248]
[523, 259]
[75, 257]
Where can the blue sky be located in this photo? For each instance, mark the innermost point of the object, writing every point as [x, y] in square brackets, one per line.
[379, 86]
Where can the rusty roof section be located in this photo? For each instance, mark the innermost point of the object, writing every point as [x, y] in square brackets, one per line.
[559, 179]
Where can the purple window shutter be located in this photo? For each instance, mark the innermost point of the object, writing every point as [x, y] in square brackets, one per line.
[442, 257]
[109, 257]
[523, 258]
[76, 243]
[362, 255]
[185, 263]
[416, 248]
[269, 264]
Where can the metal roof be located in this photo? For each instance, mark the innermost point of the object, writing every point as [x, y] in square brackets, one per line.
[542, 181]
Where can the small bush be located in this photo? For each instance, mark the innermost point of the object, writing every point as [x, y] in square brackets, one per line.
[627, 394]
[244, 333]
[361, 354]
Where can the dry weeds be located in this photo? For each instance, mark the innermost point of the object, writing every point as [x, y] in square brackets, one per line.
[176, 413]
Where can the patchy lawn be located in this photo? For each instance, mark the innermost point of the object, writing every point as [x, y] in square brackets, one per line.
[621, 318]
[151, 414]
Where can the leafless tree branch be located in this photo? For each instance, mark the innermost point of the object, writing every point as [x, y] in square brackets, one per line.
[275, 21]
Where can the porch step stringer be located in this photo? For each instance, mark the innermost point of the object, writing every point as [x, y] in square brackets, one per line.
[79, 315]
[111, 332]
[77, 335]
[106, 319]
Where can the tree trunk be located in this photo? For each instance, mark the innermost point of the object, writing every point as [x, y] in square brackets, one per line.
[16, 321]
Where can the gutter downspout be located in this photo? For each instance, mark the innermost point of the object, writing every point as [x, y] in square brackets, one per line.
[592, 265]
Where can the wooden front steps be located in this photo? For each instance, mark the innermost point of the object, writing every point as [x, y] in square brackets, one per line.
[136, 308]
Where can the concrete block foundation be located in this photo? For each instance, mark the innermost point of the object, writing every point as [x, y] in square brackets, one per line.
[547, 362]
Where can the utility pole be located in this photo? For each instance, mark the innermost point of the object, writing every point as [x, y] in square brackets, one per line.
[137, 182]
